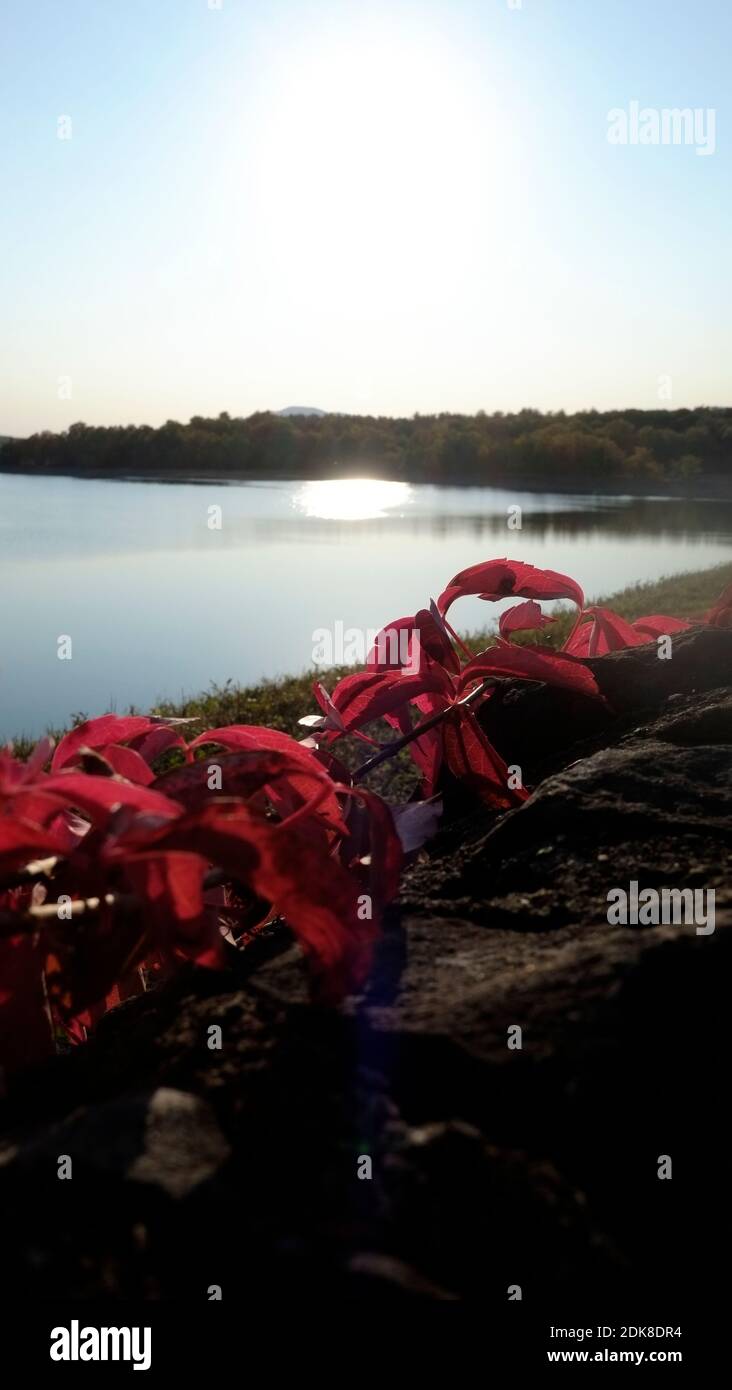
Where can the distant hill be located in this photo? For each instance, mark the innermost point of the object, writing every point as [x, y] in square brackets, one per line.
[301, 410]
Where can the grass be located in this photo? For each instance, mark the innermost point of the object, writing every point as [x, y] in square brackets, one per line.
[679, 596]
[280, 703]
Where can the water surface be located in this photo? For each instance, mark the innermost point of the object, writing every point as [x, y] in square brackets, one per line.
[158, 603]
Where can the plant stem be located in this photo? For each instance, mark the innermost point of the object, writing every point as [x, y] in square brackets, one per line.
[397, 744]
[14, 923]
[457, 638]
[36, 871]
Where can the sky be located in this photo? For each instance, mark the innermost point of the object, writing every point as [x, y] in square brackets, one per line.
[374, 208]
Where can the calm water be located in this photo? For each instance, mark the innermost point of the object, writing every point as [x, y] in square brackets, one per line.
[158, 604]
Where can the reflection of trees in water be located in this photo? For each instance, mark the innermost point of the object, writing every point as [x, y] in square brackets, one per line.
[664, 520]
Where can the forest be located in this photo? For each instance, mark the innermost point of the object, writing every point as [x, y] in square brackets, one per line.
[663, 446]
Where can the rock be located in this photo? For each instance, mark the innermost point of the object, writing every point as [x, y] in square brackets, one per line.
[657, 805]
[491, 1165]
[535, 726]
[183, 1143]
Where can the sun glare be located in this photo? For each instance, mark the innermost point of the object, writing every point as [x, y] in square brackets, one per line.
[376, 154]
[350, 499]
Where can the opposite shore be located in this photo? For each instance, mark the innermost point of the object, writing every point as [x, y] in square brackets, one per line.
[670, 452]
[711, 488]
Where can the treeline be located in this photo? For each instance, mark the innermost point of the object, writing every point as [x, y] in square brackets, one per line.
[594, 446]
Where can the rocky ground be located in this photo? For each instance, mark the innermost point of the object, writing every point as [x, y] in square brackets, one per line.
[491, 1166]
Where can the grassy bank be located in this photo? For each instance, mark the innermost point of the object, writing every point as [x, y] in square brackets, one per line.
[679, 596]
[280, 703]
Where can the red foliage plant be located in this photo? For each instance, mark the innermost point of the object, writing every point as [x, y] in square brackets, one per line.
[112, 872]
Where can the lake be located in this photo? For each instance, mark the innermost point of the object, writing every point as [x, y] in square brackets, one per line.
[159, 603]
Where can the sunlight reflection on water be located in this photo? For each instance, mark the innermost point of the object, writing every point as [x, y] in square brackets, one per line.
[350, 499]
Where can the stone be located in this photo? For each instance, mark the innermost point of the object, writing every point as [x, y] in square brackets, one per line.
[492, 1168]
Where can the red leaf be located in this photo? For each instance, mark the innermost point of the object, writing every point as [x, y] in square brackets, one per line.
[222, 831]
[99, 797]
[611, 633]
[385, 848]
[97, 733]
[21, 842]
[503, 578]
[522, 617]
[606, 631]
[32, 804]
[533, 664]
[720, 614]
[658, 625]
[333, 765]
[390, 647]
[471, 757]
[171, 888]
[292, 787]
[157, 741]
[256, 737]
[331, 715]
[434, 640]
[320, 901]
[578, 642]
[371, 694]
[427, 752]
[128, 763]
[427, 636]
[82, 965]
[292, 868]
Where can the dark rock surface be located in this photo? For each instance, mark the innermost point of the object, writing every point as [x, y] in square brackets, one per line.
[491, 1166]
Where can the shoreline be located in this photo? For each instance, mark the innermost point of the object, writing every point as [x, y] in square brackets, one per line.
[281, 699]
[715, 488]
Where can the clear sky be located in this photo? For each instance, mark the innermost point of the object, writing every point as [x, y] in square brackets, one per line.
[368, 207]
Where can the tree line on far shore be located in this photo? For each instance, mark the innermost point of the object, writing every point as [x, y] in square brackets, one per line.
[596, 446]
